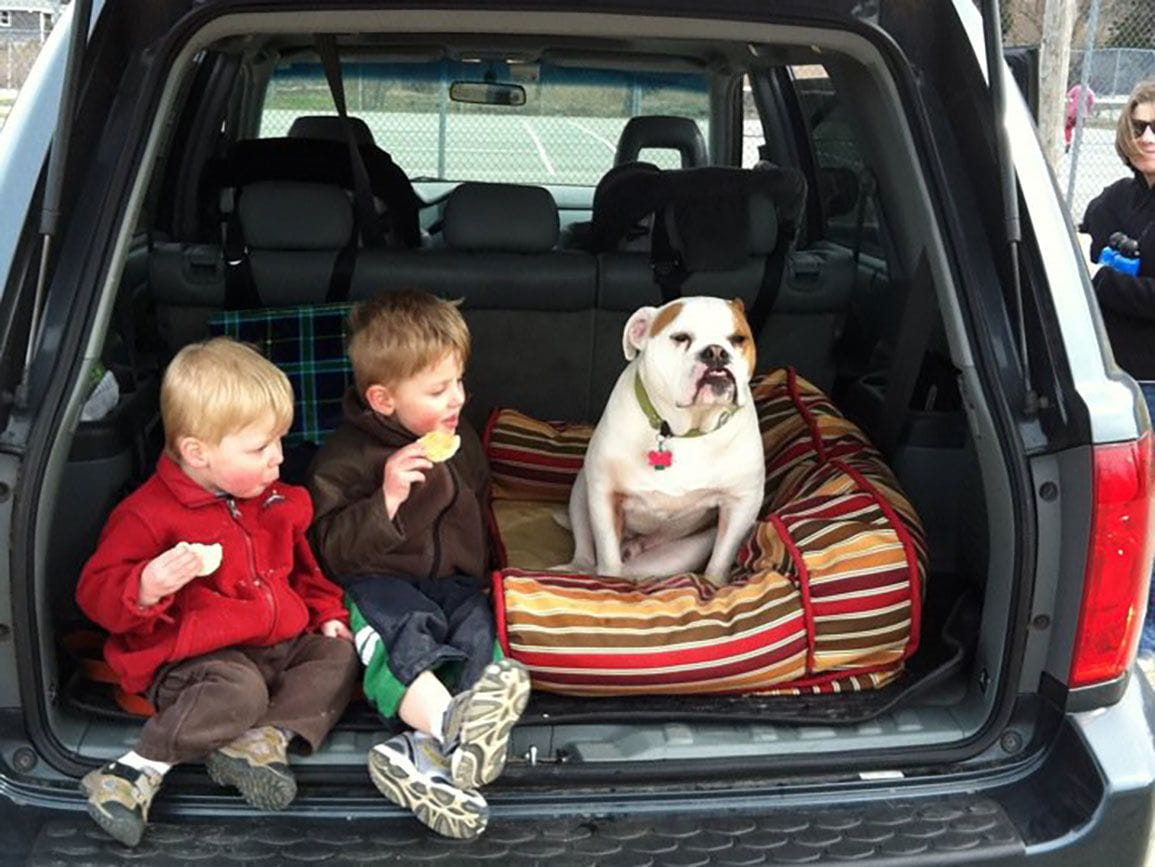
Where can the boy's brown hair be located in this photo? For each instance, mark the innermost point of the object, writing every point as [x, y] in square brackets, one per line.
[219, 387]
[1125, 145]
[396, 335]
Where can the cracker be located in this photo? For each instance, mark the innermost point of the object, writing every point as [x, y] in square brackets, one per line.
[210, 556]
[440, 445]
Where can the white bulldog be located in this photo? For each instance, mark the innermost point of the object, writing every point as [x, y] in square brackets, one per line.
[673, 477]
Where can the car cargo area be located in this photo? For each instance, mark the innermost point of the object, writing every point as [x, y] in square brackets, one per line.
[245, 200]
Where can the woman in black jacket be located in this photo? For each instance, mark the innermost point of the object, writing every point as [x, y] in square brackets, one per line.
[1127, 299]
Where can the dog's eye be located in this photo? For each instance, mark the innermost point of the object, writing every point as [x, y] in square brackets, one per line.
[738, 339]
[681, 338]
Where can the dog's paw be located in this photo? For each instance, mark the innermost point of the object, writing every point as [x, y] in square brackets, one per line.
[716, 579]
[575, 566]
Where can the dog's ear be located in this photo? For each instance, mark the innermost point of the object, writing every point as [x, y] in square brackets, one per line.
[637, 331]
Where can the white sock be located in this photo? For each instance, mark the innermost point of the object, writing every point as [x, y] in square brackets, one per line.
[140, 763]
[436, 728]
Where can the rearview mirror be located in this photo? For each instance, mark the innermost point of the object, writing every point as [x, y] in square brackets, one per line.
[487, 93]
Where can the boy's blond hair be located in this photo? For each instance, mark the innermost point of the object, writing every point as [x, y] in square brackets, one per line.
[396, 335]
[219, 387]
[1125, 145]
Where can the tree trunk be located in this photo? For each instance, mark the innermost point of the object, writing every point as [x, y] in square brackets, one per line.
[1054, 61]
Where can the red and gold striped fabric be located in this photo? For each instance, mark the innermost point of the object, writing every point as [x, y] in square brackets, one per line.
[826, 595]
[531, 459]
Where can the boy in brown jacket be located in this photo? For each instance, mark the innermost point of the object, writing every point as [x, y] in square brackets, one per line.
[406, 536]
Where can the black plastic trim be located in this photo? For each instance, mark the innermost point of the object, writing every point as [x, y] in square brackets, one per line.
[1084, 698]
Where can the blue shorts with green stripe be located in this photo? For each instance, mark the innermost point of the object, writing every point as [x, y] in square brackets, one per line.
[384, 687]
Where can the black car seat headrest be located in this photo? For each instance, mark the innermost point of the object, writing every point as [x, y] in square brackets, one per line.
[320, 161]
[510, 218]
[619, 174]
[713, 216]
[709, 219]
[662, 131]
[331, 128]
[295, 215]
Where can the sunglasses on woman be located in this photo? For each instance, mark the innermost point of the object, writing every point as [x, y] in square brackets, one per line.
[1138, 127]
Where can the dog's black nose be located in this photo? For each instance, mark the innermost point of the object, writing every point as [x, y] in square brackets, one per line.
[714, 356]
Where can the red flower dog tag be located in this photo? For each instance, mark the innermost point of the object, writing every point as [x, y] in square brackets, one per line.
[659, 459]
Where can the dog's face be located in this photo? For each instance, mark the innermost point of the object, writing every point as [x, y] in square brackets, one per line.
[695, 351]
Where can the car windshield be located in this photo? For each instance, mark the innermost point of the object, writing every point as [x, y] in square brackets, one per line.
[565, 132]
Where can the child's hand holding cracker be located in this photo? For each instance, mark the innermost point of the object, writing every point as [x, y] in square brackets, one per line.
[405, 468]
[175, 568]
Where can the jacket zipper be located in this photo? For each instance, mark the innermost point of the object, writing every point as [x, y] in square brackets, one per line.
[264, 585]
[436, 564]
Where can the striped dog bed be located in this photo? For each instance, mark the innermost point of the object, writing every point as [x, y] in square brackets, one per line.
[826, 595]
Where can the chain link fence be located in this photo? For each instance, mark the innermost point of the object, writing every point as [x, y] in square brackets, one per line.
[1117, 52]
[564, 131]
[23, 30]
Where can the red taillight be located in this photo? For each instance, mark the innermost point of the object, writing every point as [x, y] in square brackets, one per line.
[1118, 564]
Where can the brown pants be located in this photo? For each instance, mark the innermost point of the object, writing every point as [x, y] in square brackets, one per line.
[203, 703]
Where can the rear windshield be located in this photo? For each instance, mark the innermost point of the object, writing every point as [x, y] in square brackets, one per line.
[566, 132]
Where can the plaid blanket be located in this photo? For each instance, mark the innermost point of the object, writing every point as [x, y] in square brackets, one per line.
[308, 344]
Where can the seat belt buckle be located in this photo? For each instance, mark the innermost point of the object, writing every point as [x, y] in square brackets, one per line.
[667, 268]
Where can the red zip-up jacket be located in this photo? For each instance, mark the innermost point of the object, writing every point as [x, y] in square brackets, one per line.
[268, 588]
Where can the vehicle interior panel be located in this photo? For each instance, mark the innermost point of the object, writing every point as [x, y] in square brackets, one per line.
[546, 306]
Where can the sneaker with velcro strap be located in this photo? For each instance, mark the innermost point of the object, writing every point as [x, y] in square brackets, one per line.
[411, 770]
[477, 723]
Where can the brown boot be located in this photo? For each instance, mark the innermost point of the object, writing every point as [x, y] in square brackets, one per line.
[119, 797]
[257, 765]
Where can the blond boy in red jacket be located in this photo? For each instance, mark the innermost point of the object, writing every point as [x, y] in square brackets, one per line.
[215, 605]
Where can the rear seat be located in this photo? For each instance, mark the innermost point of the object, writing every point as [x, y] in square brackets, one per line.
[726, 232]
[322, 160]
[546, 323]
[295, 233]
[286, 216]
[529, 305]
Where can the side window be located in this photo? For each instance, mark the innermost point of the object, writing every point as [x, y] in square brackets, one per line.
[846, 183]
[753, 134]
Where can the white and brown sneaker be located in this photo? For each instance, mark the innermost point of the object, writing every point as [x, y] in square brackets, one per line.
[257, 765]
[477, 723]
[119, 797]
[411, 771]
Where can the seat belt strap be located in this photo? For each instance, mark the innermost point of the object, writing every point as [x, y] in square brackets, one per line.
[240, 287]
[771, 283]
[860, 218]
[906, 363]
[666, 263]
[341, 278]
[367, 220]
